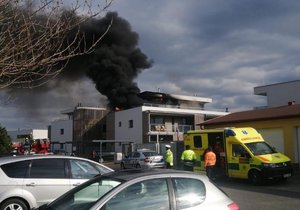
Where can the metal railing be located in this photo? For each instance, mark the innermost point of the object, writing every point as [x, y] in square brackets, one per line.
[173, 128]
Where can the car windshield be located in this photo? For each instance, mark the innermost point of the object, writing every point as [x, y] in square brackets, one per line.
[84, 196]
[260, 148]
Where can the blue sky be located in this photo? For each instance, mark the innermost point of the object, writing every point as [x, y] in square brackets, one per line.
[209, 48]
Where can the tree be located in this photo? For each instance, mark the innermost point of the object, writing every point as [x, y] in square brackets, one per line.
[5, 141]
[35, 40]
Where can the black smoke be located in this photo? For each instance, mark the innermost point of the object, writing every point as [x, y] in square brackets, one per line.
[115, 63]
[113, 67]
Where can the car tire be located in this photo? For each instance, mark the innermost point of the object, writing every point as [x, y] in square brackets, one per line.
[255, 177]
[14, 204]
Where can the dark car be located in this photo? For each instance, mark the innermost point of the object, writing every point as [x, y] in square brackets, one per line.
[145, 189]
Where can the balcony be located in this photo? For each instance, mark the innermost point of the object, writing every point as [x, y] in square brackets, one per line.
[168, 128]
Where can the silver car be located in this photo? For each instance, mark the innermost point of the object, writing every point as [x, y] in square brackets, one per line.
[148, 189]
[143, 158]
[32, 180]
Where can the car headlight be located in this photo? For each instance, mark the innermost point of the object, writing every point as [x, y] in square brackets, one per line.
[269, 165]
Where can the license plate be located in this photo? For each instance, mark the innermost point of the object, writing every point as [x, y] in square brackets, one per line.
[287, 175]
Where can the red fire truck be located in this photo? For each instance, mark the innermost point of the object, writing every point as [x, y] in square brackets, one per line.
[37, 146]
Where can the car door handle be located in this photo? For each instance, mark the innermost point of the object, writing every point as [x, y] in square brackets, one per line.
[32, 184]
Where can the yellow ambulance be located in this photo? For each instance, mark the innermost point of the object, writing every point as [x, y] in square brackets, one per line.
[241, 153]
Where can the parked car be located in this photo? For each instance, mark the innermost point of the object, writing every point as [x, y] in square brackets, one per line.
[145, 189]
[143, 158]
[32, 180]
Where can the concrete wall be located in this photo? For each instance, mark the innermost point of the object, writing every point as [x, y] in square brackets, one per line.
[62, 135]
[123, 131]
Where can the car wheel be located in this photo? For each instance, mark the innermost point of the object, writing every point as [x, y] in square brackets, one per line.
[122, 166]
[255, 177]
[14, 204]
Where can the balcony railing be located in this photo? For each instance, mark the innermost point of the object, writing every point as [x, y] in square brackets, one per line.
[173, 128]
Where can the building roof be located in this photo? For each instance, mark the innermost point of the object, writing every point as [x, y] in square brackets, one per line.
[163, 97]
[288, 111]
[173, 110]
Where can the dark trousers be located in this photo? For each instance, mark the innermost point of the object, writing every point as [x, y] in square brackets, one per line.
[168, 165]
[210, 172]
[188, 165]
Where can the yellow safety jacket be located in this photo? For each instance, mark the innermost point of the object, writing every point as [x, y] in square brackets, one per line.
[188, 155]
[169, 157]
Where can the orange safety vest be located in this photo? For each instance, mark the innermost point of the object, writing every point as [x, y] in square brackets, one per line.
[210, 159]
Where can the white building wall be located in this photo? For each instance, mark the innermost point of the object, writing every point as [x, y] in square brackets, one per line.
[123, 132]
[36, 134]
[40, 134]
[62, 132]
[280, 94]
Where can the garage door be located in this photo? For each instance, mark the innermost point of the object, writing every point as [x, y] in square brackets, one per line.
[274, 137]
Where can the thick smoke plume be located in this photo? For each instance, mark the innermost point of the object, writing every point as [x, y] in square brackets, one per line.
[112, 67]
[115, 63]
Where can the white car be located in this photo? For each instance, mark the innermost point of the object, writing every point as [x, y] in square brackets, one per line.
[149, 189]
[143, 158]
[32, 180]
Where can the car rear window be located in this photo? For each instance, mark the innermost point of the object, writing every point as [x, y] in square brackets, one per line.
[147, 154]
[189, 192]
[16, 169]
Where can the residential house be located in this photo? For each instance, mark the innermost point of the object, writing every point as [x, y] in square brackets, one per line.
[163, 118]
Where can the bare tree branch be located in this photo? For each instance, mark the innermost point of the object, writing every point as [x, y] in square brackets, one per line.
[34, 38]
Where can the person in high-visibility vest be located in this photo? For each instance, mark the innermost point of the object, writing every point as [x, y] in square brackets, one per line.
[209, 163]
[189, 158]
[168, 157]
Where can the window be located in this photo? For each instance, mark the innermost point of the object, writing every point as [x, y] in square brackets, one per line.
[157, 120]
[48, 168]
[145, 195]
[62, 131]
[16, 170]
[82, 169]
[260, 148]
[189, 192]
[136, 155]
[85, 196]
[130, 123]
[120, 124]
[197, 141]
[238, 151]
